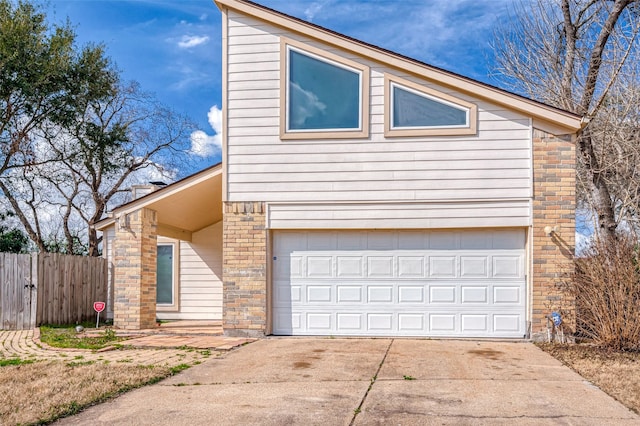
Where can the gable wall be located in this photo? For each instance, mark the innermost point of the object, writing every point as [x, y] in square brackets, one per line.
[433, 174]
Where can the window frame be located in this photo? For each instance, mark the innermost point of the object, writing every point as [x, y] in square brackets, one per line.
[286, 45]
[470, 128]
[175, 306]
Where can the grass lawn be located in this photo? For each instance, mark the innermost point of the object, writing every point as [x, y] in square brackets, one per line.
[42, 391]
[616, 373]
[65, 336]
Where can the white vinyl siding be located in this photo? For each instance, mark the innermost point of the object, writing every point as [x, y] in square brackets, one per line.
[493, 165]
[200, 277]
[397, 215]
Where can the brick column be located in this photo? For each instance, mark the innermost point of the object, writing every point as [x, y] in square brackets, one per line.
[135, 252]
[244, 269]
[554, 184]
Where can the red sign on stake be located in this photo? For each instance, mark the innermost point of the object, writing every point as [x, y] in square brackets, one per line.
[98, 306]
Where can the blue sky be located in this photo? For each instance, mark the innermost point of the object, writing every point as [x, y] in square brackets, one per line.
[173, 48]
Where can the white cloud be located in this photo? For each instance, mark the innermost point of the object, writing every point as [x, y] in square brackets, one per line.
[307, 104]
[311, 11]
[187, 42]
[215, 118]
[204, 145]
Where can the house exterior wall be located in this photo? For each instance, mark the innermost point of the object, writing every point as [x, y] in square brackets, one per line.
[200, 277]
[245, 269]
[134, 254]
[348, 178]
[553, 206]
[505, 175]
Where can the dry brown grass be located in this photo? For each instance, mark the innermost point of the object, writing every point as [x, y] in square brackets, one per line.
[616, 373]
[43, 391]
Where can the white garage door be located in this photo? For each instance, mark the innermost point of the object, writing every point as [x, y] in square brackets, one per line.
[399, 283]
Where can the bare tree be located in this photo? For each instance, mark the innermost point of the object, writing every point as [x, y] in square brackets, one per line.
[109, 148]
[582, 56]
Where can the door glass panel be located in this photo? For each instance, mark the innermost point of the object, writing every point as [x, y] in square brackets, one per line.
[164, 294]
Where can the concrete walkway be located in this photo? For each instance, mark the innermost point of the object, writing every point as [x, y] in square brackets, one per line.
[168, 350]
[368, 382]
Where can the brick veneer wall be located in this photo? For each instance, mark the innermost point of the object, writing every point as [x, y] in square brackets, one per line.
[244, 269]
[554, 185]
[135, 254]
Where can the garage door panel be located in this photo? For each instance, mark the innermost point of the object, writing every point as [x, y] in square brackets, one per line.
[507, 266]
[286, 294]
[474, 266]
[411, 266]
[474, 294]
[322, 241]
[319, 266]
[385, 283]
[380, 266]
[408, 294]
[411, 322]
[506, 323]
[508, 240]
[410, 240]
[318, 294]
[350, 266]
[442, 266]
[319, 321]
[439, 294]
[474, 323]
[349, 322]
[442, 323]
[349, 294]
[443, 240]
[383, 240]
[379, 294]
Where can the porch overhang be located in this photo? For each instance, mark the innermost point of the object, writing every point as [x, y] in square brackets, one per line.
[182, 208]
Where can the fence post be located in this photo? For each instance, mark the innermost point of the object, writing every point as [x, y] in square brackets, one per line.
[34, 290]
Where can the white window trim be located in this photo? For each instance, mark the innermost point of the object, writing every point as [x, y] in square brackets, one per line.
[390, 131]
[287, 45]
[175, 306]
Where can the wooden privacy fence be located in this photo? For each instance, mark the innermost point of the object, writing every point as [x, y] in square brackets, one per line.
[49, 288]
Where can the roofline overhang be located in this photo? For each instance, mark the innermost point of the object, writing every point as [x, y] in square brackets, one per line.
[565, 119]
[158, 195]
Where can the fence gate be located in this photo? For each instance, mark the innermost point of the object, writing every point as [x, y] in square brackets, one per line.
[18, 297]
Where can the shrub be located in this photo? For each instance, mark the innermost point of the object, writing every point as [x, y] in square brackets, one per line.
[606, 287]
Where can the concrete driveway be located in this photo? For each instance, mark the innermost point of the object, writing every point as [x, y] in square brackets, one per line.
[284, 381]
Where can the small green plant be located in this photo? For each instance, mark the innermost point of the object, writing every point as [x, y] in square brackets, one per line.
[79, 363]
[15, 361]
[406, 377]
[178, 368]
[357, 411]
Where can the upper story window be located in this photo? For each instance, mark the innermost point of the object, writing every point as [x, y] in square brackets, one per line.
[414, 110]
[325, 96]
